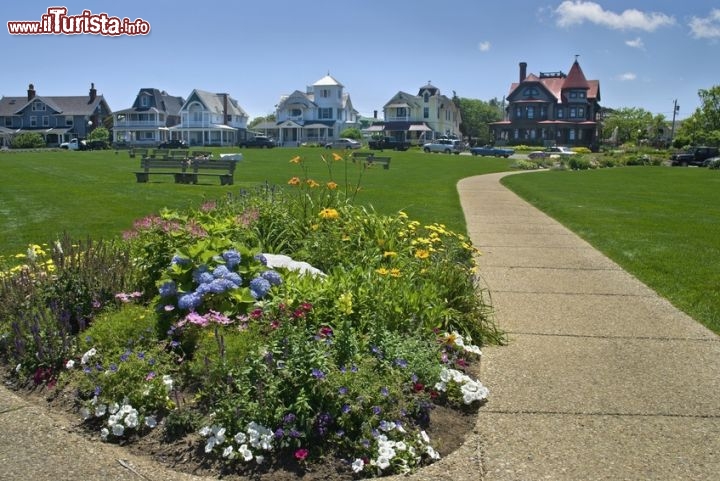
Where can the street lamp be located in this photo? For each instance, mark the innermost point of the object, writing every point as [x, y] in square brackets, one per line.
[89, 127]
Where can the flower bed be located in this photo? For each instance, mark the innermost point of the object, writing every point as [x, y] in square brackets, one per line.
[280, 325]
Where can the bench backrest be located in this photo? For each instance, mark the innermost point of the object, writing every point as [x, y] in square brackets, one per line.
[147, 163]
[213, 164]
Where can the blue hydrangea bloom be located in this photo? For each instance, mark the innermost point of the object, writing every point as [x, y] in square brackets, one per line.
[180, 260]
[261, 259]
[205, 278]
[219, 286]
[235, 278]
[203, 289]
[220, 272]
[272, 277]
[259, 287]
[198, 272]
[168, 289]
[189, 301]
[232, 258]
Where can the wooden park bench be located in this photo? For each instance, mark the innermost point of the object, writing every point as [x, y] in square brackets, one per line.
[187, 171]
[137, 152]
[174, 167]
[200, 165]
[178, 154]
[384, 161]
[362, 155]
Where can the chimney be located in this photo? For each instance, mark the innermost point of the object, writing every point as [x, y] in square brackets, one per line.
[523, 71]
[225, 111]
[31, 92]
[93, 93]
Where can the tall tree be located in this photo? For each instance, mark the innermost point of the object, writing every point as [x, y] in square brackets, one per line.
[627, 124]
[476, 117]
[703, 126]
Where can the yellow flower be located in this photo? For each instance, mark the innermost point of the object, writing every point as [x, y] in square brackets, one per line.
[315, 226]
[312, 183]
[395, 272]
[389, 254]
[382, 271]
[337, 156]
[328, 213]
[295, 160]
[294, 181]
[345, 303]
[422, 254]
[331, 185]
[402, 215]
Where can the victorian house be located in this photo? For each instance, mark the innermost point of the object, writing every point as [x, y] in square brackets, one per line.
[149, 119]
[208, 118]
[56, 118]
[417, 118]
[317, 115]
[552, 108]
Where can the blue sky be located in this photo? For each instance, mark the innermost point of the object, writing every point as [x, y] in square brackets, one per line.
[646, 53]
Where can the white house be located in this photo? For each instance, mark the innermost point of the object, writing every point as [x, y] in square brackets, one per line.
[208, 118]
[319, 114]
[427, 115]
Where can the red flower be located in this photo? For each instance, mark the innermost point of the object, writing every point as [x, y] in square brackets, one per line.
[301, 454]
[326, 331]
[418, 387]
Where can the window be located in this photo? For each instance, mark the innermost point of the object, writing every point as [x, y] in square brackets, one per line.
[581, 95]
[426, 97]
[46, 121]
[295, 112]
[325, 93]
[573, 112]
[581, 112]
[33, 121]
[401, 112]
[148, 135]
[325, 113]
[531, 112]
[426, 112]
[518, 113]
[339, 114]
[144, 101]
[68, 121]
[571, 134]
[38, 107]
[573, 95]
[531, 92]
[8, 121]
[559, 113]
[543, 112]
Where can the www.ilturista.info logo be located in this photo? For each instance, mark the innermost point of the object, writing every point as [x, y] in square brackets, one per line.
[57, 22]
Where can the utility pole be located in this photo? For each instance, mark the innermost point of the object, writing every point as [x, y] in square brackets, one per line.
[676, 108]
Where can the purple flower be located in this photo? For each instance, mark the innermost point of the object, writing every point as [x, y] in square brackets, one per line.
[180, 260]
[318, 374]
[346, 408]
[279, 433]
[261, 258]
[376, 410]
[401, 363]
[343, 391]
[289, 418]
[384, 391]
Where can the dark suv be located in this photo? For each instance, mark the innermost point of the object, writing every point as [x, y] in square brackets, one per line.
[173, 144]
[694, 156]
[258, 141]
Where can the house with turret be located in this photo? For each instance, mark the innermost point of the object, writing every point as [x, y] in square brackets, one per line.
[551, 108]
[149, 119]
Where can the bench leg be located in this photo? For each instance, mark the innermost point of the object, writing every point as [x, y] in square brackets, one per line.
[141, 177]
[226, 180]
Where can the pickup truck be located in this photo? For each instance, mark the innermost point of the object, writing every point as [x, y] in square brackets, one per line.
[694, 156]
[74, 144]
[490, 151]
[388, 143]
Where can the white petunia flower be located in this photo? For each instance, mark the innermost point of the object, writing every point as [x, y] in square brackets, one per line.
[425, 438]
[168, 381]
[240, 438]
[386, 452]
[70, 364]
[259, 459]
[358, 465]
[86, 357]
[432, 453]
[245, 452]
[205, 431]
[150, 421]
[382, 462]
[228, 452]
[131, 419]
[113, 408]
[118, 429]
[400, 446]
[100, 410]
[104, 433]
[210, 444]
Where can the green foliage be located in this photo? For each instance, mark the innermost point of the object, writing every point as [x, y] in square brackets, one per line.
[351, 133]
[476, 117]
[703, 126]
[99, 133]
[27, 140]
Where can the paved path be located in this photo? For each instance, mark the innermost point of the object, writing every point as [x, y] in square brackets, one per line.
[602, 380]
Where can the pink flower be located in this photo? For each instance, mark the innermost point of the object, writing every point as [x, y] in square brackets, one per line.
[195, 318]
[301, 454]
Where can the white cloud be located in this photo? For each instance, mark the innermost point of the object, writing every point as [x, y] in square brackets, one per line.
[706, 27]
[484, 46]
[636, 43]
[579, 11]
[627, 76]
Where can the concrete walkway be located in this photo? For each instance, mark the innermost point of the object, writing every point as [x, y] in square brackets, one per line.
[602, 380]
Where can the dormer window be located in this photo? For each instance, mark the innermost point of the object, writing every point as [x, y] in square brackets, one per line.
[38, 107]
[531, 92]
[144, 101]
[426, 97]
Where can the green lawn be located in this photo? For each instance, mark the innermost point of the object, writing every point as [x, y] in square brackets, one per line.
[46, 193]
[661, 224]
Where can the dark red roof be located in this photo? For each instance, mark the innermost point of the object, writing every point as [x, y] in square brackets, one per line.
[575, 78]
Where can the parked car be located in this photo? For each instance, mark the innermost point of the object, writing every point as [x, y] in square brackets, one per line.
[388, 143]
[694, 156]
[173, 144]
[447, 146]
[343, 144]
[490, 151]
[260, 141]
[74, 144]
[551, 152]
[712, 162]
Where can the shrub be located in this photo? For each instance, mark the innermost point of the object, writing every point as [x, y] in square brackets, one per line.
[27, 140]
